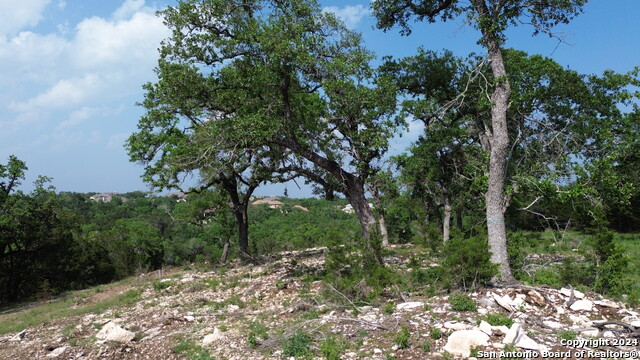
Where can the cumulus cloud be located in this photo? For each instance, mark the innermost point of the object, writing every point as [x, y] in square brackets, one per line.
[350, 14]
[16, 15]
[102, 59]
[64, 93]
[100, 42]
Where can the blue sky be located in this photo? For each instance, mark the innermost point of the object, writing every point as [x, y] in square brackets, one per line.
[71, 73]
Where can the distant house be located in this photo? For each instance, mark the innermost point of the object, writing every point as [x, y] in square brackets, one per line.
[300, 207]
[271, 201]
[349, 209]
[179, 196]
[107, 197]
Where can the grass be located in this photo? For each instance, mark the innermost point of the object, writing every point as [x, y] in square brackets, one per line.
[192, 351]
[67, 307]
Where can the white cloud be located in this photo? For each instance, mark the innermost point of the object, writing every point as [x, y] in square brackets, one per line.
[101, 42]
[16, 15]
[350, 14]
[128, 8]
[79, 116]
[64, 93]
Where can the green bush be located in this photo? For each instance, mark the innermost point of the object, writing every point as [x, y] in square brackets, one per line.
[435, 333]
[496, 319]
[298, 345]
[468, 262]
[402, 339]
[332, 347]
[462, 302]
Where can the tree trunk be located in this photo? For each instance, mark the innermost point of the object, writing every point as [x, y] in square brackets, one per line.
[243, 230]
[357, 199]
[230, 184]
[499, 147]
[383, 230]
[446, 223]
[459, 218]
[225, 252]
[373, 189]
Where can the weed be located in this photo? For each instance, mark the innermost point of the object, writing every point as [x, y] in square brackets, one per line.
[298, 345]
[435, 333]
[192, 351]
[427, 346]
[161, 285]
[567, 335]
[496, 319]
[389, 308]
[332, 347]
[402, 339]
[462, 302]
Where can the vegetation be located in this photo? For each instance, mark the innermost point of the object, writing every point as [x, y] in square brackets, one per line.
[257, 91]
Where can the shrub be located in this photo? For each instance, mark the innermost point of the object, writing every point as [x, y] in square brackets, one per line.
[435, 333]
[402, 339]
[497, 319]
[468, 262]
[332, 347]
[298, 345]
[462, 302]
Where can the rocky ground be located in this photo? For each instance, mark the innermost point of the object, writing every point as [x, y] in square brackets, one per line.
[256, 312]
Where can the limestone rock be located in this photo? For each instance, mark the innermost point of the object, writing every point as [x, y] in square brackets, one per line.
[410, 305]
[500, 330]
[113, 332]
[504, 301]
[454, 325]
[525, 342]
[460, 342]
[535, 297]
[579, 305]
[567, 292]
[211, 338]
[485, 327]
[19, 336]
[512, 334]
[552, 324]
[607, 303]
[57, 352]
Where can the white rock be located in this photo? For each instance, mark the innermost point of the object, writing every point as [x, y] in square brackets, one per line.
[553, 324]
[635, 323]
[377, 351]
[567, 292]
[580, 305]
[189, 318]
[525, 342]
[454, 325]
[485, 327]
[590, 333]
[581, 321]
[512, 334]
[504, 301]
[608, 334]
[233, 307]
[211, 338]
[57, 352]
[460, 342]
[607, 303]
[500, 330]
[19, 336]
[560, 310]
[113, 332]
[410, 305]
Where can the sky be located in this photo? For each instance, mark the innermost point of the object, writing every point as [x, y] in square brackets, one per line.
[71, 73]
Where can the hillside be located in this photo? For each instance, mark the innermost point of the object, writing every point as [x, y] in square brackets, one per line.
[276, 310]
